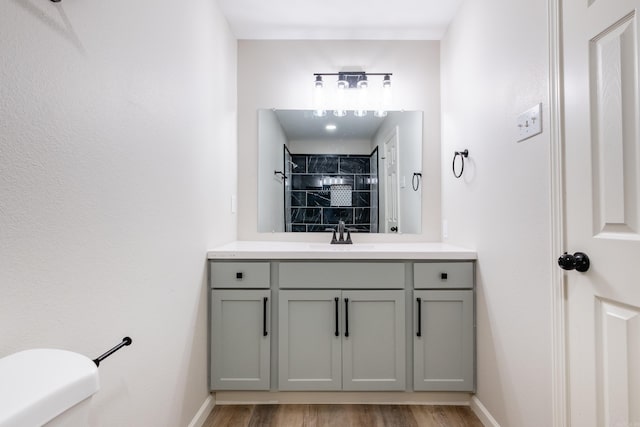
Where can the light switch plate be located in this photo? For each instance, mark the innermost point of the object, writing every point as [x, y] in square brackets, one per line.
[530, 123]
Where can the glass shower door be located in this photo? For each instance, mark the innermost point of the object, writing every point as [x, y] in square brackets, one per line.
[286, 187]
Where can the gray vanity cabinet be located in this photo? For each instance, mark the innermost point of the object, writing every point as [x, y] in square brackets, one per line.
[240, 339]
[310, 350]
[443, 335]
[240, 309]
[341, 340]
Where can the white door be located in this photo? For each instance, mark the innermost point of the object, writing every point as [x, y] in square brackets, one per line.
[602, 208]
[392, 196]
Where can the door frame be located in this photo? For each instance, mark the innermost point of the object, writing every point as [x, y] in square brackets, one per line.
[559, 378]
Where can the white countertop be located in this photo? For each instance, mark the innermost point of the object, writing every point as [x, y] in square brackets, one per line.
[306, 250]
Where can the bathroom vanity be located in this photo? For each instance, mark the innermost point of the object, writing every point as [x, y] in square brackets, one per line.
[293, 316]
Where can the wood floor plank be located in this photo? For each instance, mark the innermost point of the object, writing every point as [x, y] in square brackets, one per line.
[342, 416]
[229, 416]
[263, 415]
[291, 415]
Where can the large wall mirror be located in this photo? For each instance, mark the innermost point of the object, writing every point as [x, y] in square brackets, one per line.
[317, 171]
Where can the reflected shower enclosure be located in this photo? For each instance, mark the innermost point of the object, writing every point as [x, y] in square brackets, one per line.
[316, 171]
[321, 190]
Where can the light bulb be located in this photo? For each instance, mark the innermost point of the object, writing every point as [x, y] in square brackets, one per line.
[318, 98]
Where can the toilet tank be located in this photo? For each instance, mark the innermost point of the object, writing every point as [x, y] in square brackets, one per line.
[38, 385]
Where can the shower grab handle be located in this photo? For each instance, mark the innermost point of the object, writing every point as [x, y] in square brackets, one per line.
[125, 341]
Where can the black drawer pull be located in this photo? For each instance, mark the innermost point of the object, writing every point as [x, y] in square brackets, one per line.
[346, 317]
[264, 316]
[419, 333]
[337, 300]
[239, 275]
[443, 276]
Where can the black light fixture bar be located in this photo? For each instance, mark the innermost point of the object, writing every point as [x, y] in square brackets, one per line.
[352, 77]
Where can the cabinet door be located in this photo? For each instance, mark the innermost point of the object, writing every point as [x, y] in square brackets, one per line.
[443, 341]
[374, 350]
[309, 350]
[240, 341]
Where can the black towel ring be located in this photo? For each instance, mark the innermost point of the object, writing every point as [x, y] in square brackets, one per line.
[462, 155]
[415, 181]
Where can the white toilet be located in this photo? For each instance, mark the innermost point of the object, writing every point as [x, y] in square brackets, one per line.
[46, 387]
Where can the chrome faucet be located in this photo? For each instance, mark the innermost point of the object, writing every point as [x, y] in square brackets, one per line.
[341, 240]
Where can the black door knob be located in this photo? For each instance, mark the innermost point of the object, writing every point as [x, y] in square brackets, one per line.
[394, 229]
[578, 261]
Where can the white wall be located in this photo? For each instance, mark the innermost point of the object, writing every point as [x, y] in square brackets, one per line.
[279, 74]
[117, 165]
[273, 139]
[495, 66]
[331, 146]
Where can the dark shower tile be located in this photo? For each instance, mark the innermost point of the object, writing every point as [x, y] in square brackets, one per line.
[322, 164]
[300, 163]
[362, 182]
[362, 216]
[362, 199]
[306, 182]
[360, 228]
[359, 165]
[333, 215]
[322, 228]
[322, 199]
[306, 215]
[298, 198]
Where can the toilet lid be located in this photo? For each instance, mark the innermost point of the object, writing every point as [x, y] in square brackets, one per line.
[39, 384]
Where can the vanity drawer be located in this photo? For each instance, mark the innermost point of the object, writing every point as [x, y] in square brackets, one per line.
[240, 275]
[342, 275]
[443, 275]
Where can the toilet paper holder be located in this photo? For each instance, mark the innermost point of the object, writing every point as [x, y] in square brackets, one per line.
[125, 341]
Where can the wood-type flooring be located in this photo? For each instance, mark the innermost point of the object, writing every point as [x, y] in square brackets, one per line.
[341, 416]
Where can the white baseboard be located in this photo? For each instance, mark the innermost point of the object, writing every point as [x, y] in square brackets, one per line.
[204, 411]
[482, 413]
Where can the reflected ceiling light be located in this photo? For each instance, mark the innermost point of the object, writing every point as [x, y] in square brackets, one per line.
[331, 127]
[359, 102]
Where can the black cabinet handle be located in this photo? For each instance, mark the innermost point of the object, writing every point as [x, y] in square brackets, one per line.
[337, 300]
[419, 333]
[346, 317]
[264, 316]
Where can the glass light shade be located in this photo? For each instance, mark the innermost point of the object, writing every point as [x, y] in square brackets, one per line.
[318, 98]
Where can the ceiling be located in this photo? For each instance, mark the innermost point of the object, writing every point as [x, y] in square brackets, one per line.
[301, 125]
[339, 19]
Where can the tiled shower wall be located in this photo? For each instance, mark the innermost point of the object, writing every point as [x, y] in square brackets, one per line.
[312, 179]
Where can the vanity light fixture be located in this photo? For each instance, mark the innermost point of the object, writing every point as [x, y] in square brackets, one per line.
[318, 98]
[385, 100]
[358, 80]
